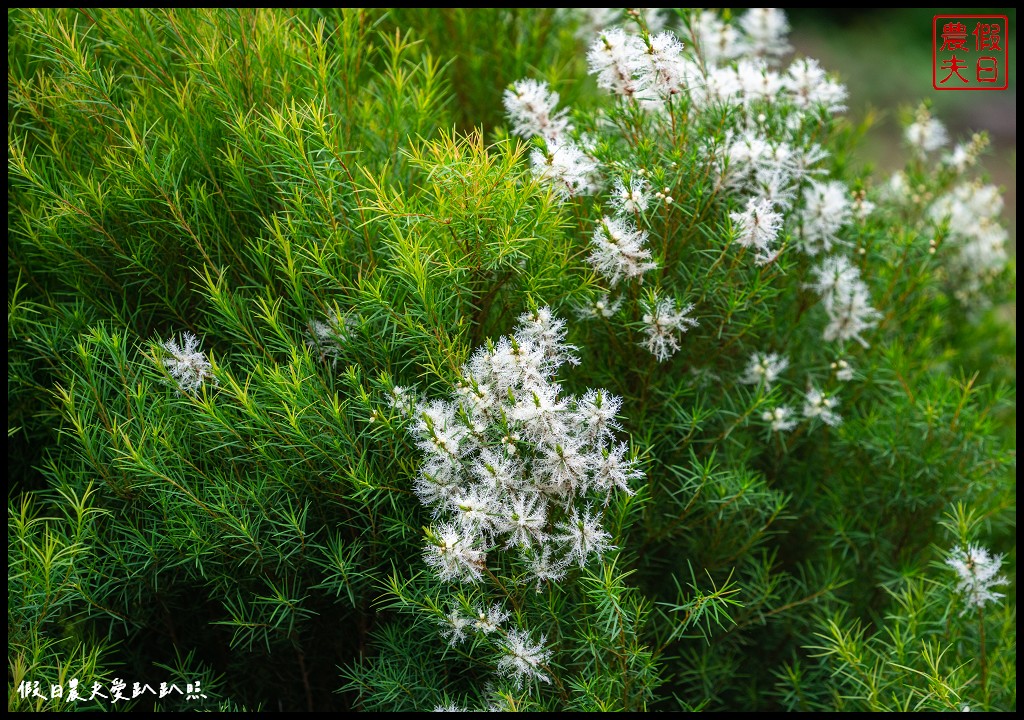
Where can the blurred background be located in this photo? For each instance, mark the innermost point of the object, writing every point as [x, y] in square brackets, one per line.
[884, 56]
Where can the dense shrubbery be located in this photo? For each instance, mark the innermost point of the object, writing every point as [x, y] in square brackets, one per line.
[648, 400]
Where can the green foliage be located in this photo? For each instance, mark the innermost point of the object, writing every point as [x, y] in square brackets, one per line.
[328, 202]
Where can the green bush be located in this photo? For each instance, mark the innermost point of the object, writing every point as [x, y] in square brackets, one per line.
[348, 368]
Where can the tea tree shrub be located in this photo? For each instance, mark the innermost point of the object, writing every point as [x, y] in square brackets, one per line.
[494, 359]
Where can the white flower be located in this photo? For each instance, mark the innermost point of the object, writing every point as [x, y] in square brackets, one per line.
[926, 135]
[582, 536]
[631, 198]
[565, 167]
[453, 554]
[618, 252]
[965, 155]
[977, 571]
[475, 510]
[818, 405]
[666, 72]
[524, 517]
[757, 227]
[543, 328]
[809, 86]
[843, 370]
[613, 470]
[846, 299]
[542, 413]
[716, 41]
[781, 418]
[491, 620]
[453, 626]
[562, 468]
[594, 19]
[850, 314]
[615, 57]
[764, 368]
[663, 320]
[530, 105]
[604, 306]
[766, 30]
[522, 659]
[402, 400]
[757, 82]
[497, 471]
[545, 566]
[826, 210]
[188, 364]
[971, 212]
[595, 414]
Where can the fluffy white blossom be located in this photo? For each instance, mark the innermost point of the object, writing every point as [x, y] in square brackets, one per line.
[566, 168]
[781, 418]
[603, 307]
[766, 31]
[402, 400]
[758, 83]
[758, 227]
[843, 370]
[593, 20]
[926, 134]
[525, 518]
[582, 535]
[666, 72]
[977, 574]
[521, 658]
[978, 239]
[630, 198]
[530, 105]
[454, 625]
[187, 364]
[821, 406]
[850, 315]
[664, 322]
[716, 41]
[649, 70]
[965, 155]
[490, 620]
[455, 554]
[616, 58]
[809, 87]
[764, 368]
[613, 470]
[846, 299]
[508, 461]
[618, 250]
[826, 210]
[595, 413]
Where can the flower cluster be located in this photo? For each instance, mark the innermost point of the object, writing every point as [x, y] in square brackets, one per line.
[764, 368]
[821, 406]
[618, 251]
[846, 299]
[971, 214]
[977, 572]
[187, 364]
[664, 322]
[511, 461]
[530, 105]
[757, 227]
